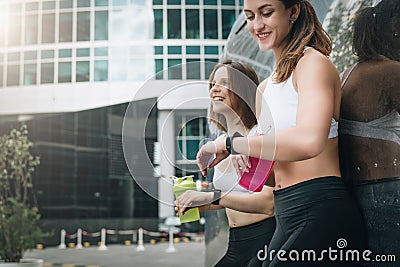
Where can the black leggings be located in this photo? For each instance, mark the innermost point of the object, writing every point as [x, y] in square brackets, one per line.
[246, 241]
[311, 217]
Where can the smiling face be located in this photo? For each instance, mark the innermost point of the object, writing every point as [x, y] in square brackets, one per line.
[269, 22]
[220, 92]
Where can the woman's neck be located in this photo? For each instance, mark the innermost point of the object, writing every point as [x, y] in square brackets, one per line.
[236, 125]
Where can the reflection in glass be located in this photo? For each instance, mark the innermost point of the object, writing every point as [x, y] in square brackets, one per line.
[83, 26]
[12, 75]
[31, 29]
[228, 18]
[101, 2]
[64, 72]
[83, 3]
[47, 54]
[159, 68]
[101, 25]
[48, 26]
[174, 50]
[192, 2]
[82, 71]
[66, 4]
[174, 23]
[210, 24]
[62, 53]
[29, 74]
[82, 52]
[158, 23]
[193, 69]
[192, 24]
[193, 50]
[211, 50]
[100, 70]
[65, 27]
[192, 147]
[14, 30]
[210, 2]
[100, 51]
[47, 73]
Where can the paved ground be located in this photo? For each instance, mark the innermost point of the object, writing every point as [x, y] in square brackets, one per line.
[190, 254]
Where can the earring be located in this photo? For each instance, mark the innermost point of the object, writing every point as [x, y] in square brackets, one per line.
[292, 20]
[396, 35]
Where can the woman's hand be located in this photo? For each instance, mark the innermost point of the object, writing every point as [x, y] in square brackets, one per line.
[191, 199]
[241, 164]
[206, 153]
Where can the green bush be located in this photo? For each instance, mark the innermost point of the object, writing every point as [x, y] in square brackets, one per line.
[18, 211]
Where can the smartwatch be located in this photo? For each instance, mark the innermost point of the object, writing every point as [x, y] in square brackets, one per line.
[216, 197]
[229, 140]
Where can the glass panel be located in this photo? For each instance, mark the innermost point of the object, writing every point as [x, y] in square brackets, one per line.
[193, 69]
[31, 6]
[101, 51]
[179, 150]
[101, 25]
[48, 26]
[1, 76]
[210, 24]
[211, 50]
[100, 70]
[173, 2]
[64, 72]
[13, 57]
[83, 28]
[174, 50]
[29, 74]
[192, 24]
[228, 18]
[228, 2]
[82, 52]
[118, 2]
[192, 2]
[47, 73]
[158, 23]
[210, 2]
[65, 27]
[47, 54]
[158, 50]
[83, 3]
[193, 50]
[209, 66]
[65, 53]
[174, 23]
[159, 68]
[174, 69]
[31, 29]
[101, 2]
[66, 3]
[48, 5]
[12, 75]
[157, 2]
[14, 30]
[192, 147]
[30, 55]
[82, 71]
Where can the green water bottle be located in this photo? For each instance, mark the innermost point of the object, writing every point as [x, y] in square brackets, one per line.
[180, 186]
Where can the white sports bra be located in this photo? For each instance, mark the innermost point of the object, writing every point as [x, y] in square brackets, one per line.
[282, 100]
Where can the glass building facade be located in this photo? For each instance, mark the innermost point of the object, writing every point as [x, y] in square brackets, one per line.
[48, 47]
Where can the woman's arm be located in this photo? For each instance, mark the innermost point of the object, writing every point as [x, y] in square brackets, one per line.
[261, 202]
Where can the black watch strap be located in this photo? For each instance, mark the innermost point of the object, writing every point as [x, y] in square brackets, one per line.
[229, 140]
[216, 197]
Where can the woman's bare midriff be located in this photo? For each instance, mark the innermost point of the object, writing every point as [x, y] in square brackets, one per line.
[325, 164]
[237, 218]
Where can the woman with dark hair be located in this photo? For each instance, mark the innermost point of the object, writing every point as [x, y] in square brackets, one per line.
[233, 87]
[313, 209]
[370, 125]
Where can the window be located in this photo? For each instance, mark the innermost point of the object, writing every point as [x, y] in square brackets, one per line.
[174, 69]
[14, 29]
[228, 18]
[159, 69]
[100, 51]
[174, 23]
[64, 72]
[174, 50]
[192, 2]
[12, 75]
[101, 2]
[29, 74]
[82, 52]
[47, 73]
[173, 2]
[48, 26]
[193, 50]
[65, 53]
[66, 4]
[211, 50]
[101, 25]
[158, 23]
[83, 3]
[192, 24]
[211, 2]
[210, 24]
[100, 70]
[83, 27]
[82, 71]
[65, 27]
[31, 29]
[193, 69]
